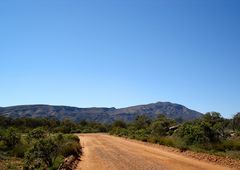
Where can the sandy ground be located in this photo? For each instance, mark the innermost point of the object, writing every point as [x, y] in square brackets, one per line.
[104, 152]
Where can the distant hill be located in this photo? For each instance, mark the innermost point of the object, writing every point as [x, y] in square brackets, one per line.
[101, 114]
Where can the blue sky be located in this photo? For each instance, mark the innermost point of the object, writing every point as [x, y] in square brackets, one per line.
[121, 53]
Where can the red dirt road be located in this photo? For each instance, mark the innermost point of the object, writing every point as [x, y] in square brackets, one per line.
[104, 152]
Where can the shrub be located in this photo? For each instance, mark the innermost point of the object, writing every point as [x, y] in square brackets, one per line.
[11, 138]
[181, 145]
[192, 133]
[159, 128]
[168, 141]
[72, 138]
[141, 122]
[119, 124]
[37, 133]
[142, 134]
[19, 150]
[43, 153]
[232, 144]
[119, 131]
[216, 147]
[57, 162]
[71, 148]
[152, 139]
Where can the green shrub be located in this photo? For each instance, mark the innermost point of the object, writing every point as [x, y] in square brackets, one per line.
[233, 154]
[72, 138]
[142, 134]
[71, 148]
[213, 147]
[118, 131]
[59, 137]
[119, 124]
[142, 122]
[160, 127]
[180, 144]
[153, 139]
[42, 153]
[192, 133]
[168, 141]
[232, 144]
[3, 146]
[57, 162]
[19, 150]
[11, 138]
[37, 133]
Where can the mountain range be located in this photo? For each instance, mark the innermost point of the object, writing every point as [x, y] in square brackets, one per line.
[101, 114]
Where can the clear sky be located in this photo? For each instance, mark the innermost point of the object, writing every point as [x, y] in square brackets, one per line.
[120, 53]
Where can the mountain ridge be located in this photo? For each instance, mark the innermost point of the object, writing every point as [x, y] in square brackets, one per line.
[101, 114]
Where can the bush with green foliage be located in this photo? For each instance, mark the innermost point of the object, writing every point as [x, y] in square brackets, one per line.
[42, 154]
[209, 129]
[210, 133]
[37, 133]
[71, 148]
[11, 138]
[192, 134]
[45, 151]
[161, 126]
[119, 124]
[141, 122]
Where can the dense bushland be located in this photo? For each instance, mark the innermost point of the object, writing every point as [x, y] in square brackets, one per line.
[211, 133]
[35, 143]
[52, 125]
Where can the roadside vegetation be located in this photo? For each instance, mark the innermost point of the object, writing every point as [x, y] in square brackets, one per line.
[36, 143]
[210, 134]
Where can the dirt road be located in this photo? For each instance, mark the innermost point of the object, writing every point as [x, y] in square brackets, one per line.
[104, 152]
